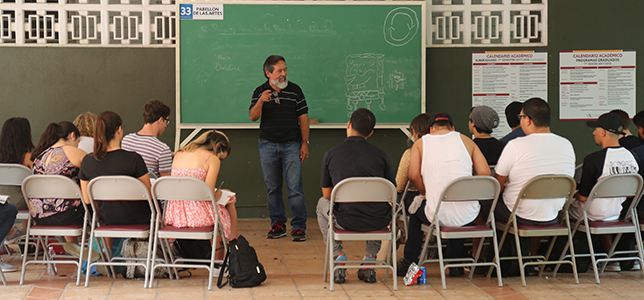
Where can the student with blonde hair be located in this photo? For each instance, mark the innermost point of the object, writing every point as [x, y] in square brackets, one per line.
[85, 123]
[202, 159]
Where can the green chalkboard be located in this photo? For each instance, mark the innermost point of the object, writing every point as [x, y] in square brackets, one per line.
[342, 56]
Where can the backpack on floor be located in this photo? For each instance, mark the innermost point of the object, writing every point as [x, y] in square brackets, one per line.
[244, 269]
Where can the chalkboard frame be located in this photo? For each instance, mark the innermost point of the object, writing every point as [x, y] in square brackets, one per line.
[198, 127]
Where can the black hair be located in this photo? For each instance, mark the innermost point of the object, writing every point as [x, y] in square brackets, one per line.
[638, 119]
[15, 140]
[107, 124]
[52, 134]
[269, 63]
[511, 113]
[363, 121]
[626, 121]
[538, 111]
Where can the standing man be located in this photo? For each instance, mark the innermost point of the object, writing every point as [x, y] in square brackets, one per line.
[145, 142]
[283, 145]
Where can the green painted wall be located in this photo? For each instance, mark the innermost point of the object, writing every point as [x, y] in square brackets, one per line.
[55, 84]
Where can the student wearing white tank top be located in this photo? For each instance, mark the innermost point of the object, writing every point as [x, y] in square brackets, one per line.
[438, 158]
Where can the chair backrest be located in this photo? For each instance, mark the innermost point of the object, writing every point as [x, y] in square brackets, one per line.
[13, 174]
[364, 189]
[50, 186]
[117, 188]
[578, 172]
[617, 185]
[181, 188]
[548, 187]
[471, 188]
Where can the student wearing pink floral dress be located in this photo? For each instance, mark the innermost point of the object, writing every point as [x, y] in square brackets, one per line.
[202, 159]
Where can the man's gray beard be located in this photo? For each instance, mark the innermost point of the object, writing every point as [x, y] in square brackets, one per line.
[281, 85]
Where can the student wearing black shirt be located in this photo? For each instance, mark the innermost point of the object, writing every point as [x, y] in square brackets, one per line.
[483, 119]
[355, 158]
[109, 159]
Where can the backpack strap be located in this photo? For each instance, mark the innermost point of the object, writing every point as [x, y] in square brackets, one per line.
[224, 266]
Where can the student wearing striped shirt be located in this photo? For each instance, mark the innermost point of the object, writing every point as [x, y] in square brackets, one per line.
[155, 153]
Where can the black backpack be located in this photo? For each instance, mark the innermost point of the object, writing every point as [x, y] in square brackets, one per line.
[244, 270]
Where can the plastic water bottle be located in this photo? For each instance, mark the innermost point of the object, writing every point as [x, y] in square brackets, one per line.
[51, 268]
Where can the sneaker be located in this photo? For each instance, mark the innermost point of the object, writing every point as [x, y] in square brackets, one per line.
[7, 268]
[613, 267]
[74, 249]
[367, 275]
[636, 266]
[403, 267]
[16, 234]
[456, 272]
[340, 274]
[277, 231]
[298, 235]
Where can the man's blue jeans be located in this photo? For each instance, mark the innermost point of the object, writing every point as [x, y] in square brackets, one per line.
[276, 157]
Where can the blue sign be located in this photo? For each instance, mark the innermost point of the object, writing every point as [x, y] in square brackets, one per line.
[185, 11]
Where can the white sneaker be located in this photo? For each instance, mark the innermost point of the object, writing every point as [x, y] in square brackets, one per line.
[16, 234]
[6, 268]
[636, 266]
[613, 267]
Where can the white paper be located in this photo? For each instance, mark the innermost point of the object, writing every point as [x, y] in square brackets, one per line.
[500, 77]
[225, 194]
[595, 82]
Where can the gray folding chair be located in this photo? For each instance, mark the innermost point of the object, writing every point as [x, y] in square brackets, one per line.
[539, 188]
[362, 189]
[578, 171]
[617, 185]
[119, 188]
[401, 212]
[56, 187]
[14, 175]
[184, 189]
[469, 188]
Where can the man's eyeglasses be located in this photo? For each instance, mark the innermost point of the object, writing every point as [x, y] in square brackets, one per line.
[167, 121]
[522, 116]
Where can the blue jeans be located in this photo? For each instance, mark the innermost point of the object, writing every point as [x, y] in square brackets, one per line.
[276, 157]
[8, 214]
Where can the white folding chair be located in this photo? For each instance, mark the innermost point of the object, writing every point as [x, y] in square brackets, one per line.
[55, 187]
[617, 185]
[401, 211]
[119, 188]
[540, 188]
[362, 189]
[185, 189]
[469, 188]
[14, 175]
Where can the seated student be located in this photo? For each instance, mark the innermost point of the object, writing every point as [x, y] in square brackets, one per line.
[612, 159]
[201, 159]
[436, 159]
[85, 123]
[8, 213]
[540, 152]
[627, 140]
[109, 159]
[15, 148]
[419, 126]
[57, 154]
[145, 142]
[483, 119]
[355, 158]
[511, 116]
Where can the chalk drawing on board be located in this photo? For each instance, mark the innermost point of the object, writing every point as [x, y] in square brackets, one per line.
[401, 26]
[397, 80]
[364, 80]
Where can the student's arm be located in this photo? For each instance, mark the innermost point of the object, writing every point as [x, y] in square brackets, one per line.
[146, 181]
[304, 128]
[26, 161]
[83, 184]
[415, 162]
[213, 163]
[503, 180]
[402, 176]
[256, 110]
[326, 192]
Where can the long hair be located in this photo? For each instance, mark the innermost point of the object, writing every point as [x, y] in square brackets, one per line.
[212, 141]
[52, 134]
[85, 123]
[107, 124]
[15, 140]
